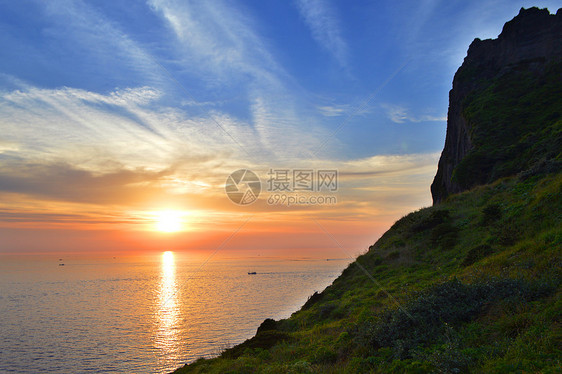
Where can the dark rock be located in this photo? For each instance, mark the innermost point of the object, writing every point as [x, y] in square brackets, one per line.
[267, 325]
[313, 299]
[263, 340]
[533, 39]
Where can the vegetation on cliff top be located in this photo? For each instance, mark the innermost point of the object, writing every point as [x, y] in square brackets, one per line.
[516, 124]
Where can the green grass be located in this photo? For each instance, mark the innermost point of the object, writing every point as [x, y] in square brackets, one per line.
[470, 285]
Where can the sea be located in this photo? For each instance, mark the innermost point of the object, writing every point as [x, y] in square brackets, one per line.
[148, 313]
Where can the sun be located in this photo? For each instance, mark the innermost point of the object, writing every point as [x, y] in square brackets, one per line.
[168, 259]
[169, 221]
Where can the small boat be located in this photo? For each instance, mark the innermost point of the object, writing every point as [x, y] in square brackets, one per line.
[252, 273]
[61, 264]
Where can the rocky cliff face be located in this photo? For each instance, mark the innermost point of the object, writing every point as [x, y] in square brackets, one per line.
[527, 49]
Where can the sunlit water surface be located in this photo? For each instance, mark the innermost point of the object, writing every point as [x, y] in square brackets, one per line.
[147, 314]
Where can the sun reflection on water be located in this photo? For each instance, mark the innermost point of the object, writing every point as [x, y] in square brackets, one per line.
[168, 313]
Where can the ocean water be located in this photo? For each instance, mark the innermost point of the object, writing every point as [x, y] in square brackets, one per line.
[143, 314]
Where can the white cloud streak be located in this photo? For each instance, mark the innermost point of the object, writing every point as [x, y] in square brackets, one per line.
[91, 129]
[324, 26]
[220, 42]
[213, 40]
[400, 114]
[333, 110]
[215, 37]
[92, 31]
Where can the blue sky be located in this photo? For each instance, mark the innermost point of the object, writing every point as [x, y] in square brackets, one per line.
[170, 96]
[279, 68]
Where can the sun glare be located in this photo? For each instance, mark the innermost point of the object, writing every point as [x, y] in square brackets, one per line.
[168, 221]
[168, 259]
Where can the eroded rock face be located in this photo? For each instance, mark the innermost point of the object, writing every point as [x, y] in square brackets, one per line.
[533, 38]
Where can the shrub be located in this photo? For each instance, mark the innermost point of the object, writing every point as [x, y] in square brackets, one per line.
[491, 213]
[449, 358]
[393, 255]
[436, 217]
[263, 340]
[508, 233]
[324, 355]
[300, 367]
[326, 310]
[477, 253]
[428, 317]
[444, 235]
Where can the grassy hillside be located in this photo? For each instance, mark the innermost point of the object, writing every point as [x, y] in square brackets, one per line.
[470, 285]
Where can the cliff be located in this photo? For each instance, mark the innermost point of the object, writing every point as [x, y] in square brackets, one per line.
[497, 75]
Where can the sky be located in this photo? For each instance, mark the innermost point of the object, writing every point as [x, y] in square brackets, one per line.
[119, 116]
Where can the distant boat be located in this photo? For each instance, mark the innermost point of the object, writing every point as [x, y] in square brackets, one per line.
[61, 264]
[252, 273]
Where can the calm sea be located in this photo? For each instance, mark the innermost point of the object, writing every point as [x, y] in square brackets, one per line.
[148, 314]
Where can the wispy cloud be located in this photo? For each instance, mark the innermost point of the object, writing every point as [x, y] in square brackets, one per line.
[323, 22]
[74, 144]
[338, 110]
[103, 41]
[127, 128]
[96, 154]
[66, 183]
[366, 186]
[217, 38]
[333, 110]
[401, 114]
[123, 148]
[220, 41]
[215, 42]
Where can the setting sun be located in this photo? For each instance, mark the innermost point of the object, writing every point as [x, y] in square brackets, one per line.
[168, 221]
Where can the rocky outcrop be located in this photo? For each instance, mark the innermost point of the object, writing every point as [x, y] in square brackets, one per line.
[533, 38]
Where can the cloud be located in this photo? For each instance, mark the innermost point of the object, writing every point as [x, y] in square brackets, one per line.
[385, 187]
[400, 114]
[66, 183]
[125, 186]
[103, 41]
[333, 110]
[220, 42]
[389, 164]
[210, 45]
[320, 17]
[373, 192]
[215, 42]
[6, 147]
[214, 36]
[71, 154]
[128, 126]
[348, 110]
[124, 146]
